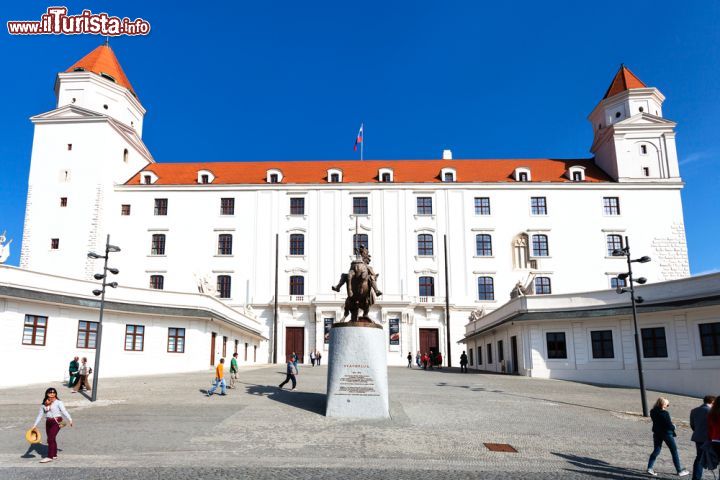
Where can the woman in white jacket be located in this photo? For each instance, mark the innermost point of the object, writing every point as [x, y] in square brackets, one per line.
[53, 410]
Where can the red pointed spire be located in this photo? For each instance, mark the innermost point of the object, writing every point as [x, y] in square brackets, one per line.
[102, 61]
[624, 80]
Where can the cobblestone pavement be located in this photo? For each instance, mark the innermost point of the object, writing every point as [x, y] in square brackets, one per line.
[165, 427]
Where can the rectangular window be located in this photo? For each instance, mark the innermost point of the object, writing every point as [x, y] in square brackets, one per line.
[134, 338]
[225, 346]
[614, 242]
[556, 347]
[69, 146]
[427, 286]
[34, 330]
[176, 340]
[424, 205]
[646, 171]
[489, 353]
[63, 201]
[480, 359]
[223, 286]
[483, 245]
[225, 241]
[501, 351]
[158, 244]
[297, 244]
[654, 344]
[297, 285]
[540, 246]
[486, 288]
[157, 282]
[227, 206]
[602, 344]
[360, 239]
[237, 342]
[204, 178]
[334, 178]
[470, 357]
[482, 205]
[710, 339]
[54, 243]
[147, 179]
[449, 177]
[542, 286]
[125, 210]
[87, 334]
[297, 206]
[360, 205]
[425, 244]
[161, 205]
[246, 350]
[274, 178]
[523, 177]
[611, 205]
[538, 206]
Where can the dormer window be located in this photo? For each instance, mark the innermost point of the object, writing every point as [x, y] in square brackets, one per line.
[576, 173]
[205, 177]
[448, 175]
[148, 178]
[107, 77]
[334, 175]
[385, 175]
[522, 174]
[78, 69]
[274, 176]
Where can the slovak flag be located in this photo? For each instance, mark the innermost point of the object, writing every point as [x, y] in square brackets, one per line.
[359, 138]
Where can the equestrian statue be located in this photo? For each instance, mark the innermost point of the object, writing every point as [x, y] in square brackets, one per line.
[361, 284]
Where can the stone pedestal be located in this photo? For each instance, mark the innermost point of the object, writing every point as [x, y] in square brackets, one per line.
[357, 385]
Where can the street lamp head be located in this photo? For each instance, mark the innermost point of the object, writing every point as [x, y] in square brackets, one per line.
[641, 280]
[114, 271]
[113, 284]
[618, 252]
[94, 255]
[99, 276]
[639, 299]
[620, 290]
[113, 248]
[97, 293]
[623, 276]
[644, 259]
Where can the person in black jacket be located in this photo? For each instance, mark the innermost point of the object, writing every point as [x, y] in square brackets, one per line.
[664, 431]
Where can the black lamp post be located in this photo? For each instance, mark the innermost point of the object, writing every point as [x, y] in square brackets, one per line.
[101, 276]
[628, 277]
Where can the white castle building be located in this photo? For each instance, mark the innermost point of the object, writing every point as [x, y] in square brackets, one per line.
[542, 226]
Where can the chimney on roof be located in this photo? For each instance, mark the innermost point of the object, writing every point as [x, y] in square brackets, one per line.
[447, 154]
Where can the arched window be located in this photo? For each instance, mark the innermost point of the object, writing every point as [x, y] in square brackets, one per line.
[522, 174]
[427, 286]
[486, 288]
[358, 240]
[425, 244]
[297, 285]
[334, 175]
[483, 245]
[297, 244]
[576, 173]
[385, 175]
[448, 175]
[274, 176]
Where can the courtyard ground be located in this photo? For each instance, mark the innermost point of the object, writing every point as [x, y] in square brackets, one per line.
[166, 427]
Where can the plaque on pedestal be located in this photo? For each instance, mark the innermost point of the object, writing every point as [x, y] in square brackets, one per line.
[357, 385]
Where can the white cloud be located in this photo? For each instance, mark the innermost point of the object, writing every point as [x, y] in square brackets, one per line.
[695, 157]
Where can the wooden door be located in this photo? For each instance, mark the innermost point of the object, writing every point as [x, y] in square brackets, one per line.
[295, 342]
[212, 348]
[429, 340]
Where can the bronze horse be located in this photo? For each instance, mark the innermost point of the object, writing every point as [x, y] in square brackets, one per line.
[359, 290]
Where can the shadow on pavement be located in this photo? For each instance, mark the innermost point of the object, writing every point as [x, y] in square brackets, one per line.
[38, 448]
[599, 469]
[312, 402]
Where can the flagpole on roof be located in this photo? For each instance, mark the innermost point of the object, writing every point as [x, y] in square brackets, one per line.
[362, 143]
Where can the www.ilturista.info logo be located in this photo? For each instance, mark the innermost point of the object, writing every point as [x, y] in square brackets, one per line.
[57, 22]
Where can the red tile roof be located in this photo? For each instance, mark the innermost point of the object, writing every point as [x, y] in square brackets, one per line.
[103, 60]
[356, 171]
[624, 80]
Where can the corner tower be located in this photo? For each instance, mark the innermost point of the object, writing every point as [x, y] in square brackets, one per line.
[633, 142]
[81, 150]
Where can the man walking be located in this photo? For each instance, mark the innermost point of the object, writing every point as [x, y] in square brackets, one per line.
[233, 370]
[699, 426]
[463, 362]
[409, 359]
[73, 370]
[219, 379]
[291, 372]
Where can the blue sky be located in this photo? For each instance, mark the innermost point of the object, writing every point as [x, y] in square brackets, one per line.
[293, 80]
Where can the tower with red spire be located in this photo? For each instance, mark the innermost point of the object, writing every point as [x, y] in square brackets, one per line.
[633, 142]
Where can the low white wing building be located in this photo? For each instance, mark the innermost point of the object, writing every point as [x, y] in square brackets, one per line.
[546, 226]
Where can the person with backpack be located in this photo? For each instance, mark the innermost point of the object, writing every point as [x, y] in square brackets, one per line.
[699, 426]
[664, 431]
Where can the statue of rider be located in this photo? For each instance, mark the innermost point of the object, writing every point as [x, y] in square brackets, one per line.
[363, 252]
